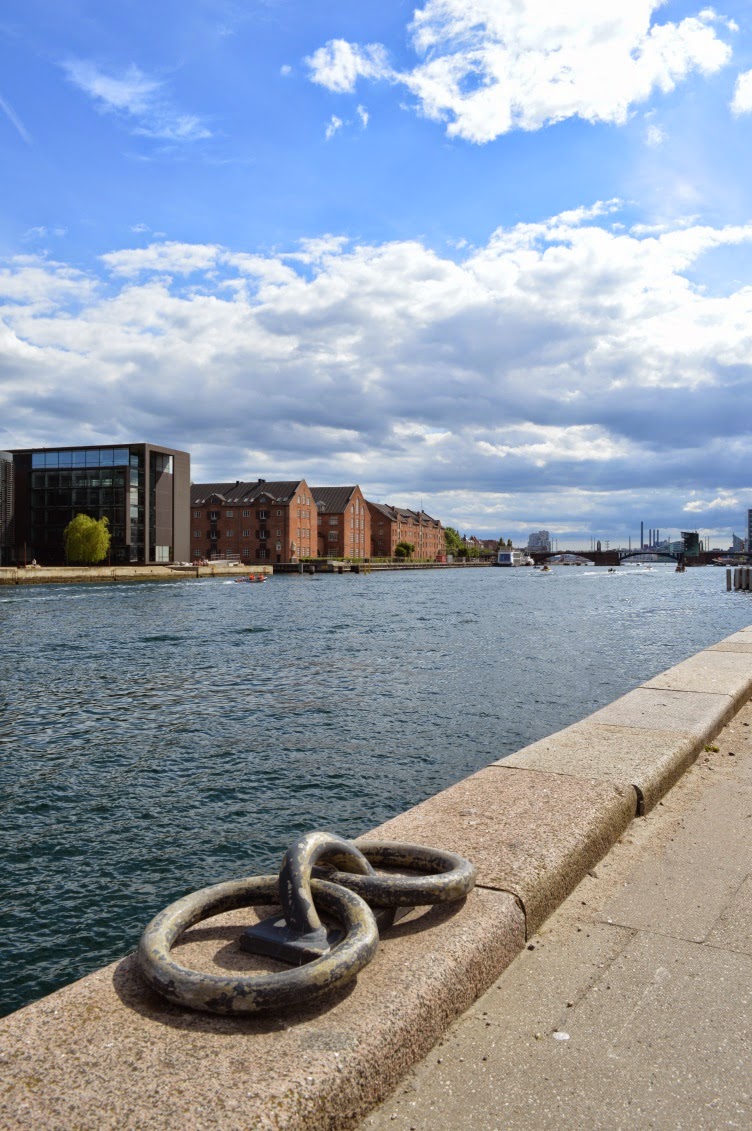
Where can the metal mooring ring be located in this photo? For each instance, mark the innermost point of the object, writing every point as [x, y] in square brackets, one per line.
[450, 877]
[300, 935]
[250, 993]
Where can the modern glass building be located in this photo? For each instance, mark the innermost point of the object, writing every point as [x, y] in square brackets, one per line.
[142, 489]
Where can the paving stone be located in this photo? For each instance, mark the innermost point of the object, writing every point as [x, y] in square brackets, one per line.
[533, 834]
[649, 760]
[733, 930]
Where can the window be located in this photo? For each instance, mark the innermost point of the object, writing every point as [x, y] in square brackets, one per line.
[246, 552]
[246, 514]
[318, 521]
[196, 533]
[229, 514]
[246, 533]
[262, 552]
[197, 514]
[262, 514]
[230, 533]
[213, 516]
[333, 521]
[279, 514]
[333, 536]
[279, 533]
[214, 535]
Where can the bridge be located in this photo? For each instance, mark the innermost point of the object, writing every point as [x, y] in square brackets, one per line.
[625, 554]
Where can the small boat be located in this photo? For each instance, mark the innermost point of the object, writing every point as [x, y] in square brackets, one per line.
[251, 579]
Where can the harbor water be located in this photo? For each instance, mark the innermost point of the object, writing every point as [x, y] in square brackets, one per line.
[159, 737]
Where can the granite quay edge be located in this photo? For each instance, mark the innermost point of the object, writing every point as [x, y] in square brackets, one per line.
[649, 737]
[106, 1052]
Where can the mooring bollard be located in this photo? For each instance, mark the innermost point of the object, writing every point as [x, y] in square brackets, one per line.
[728, 580]
[736, 577]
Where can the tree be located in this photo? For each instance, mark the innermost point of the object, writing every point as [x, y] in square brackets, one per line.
[452, 539]
[87, 540]
[404, 550]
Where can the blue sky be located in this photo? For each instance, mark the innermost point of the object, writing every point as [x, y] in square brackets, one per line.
[481, 254]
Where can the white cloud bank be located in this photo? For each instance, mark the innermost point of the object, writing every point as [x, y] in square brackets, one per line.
[489, 66]
[567, 364]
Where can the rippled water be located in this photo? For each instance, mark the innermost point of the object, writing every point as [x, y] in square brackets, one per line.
[155, 738]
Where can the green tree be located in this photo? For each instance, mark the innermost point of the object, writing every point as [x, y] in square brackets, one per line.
[87, 540]
[452, 539]
[404, 550]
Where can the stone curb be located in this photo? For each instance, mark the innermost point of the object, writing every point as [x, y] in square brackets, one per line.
[107, 1053]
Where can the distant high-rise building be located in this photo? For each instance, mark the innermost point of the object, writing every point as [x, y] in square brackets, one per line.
[540, 541]
[738, 544]
[749, 528]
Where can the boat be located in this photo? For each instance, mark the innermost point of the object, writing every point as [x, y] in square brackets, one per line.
[251, 579]
[512, 558]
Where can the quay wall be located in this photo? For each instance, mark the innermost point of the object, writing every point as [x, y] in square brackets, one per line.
[67, 575]
[106, 1052]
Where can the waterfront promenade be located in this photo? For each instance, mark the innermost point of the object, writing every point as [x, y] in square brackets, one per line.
[630, 1008]
[668, 1046]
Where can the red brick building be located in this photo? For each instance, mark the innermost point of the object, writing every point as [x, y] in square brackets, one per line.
[343, 523]
[392, 525]
[254, 522]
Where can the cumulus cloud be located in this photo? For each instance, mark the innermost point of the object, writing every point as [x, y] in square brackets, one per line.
[486, 67]
[339, 64]
[563, 365]
[133, 95]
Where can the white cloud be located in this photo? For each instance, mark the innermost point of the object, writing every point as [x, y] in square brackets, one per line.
[135, 95]
[363, 115]
[285, 70]
[655, 136]
[333, 125]
[338, 65]
[552, 366]
[742, 102]
[724, 500]
[489, 66]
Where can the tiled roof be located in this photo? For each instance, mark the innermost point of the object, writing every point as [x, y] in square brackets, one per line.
[335, 499]
[402, 514]
[239, 492]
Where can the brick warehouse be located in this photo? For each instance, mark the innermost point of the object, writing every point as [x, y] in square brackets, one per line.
[264, 522]
[392, 525]
[344, 522]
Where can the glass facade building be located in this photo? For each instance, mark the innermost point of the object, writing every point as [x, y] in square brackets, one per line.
[143, 491]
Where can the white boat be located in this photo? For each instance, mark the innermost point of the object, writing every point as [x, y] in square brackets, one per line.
[513, 558]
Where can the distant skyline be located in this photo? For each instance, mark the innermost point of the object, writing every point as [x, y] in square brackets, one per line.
[487, 256]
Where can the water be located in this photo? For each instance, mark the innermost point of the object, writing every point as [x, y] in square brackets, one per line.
[155, 738]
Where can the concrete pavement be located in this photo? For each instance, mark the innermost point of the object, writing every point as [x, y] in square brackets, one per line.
[632, 1006]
